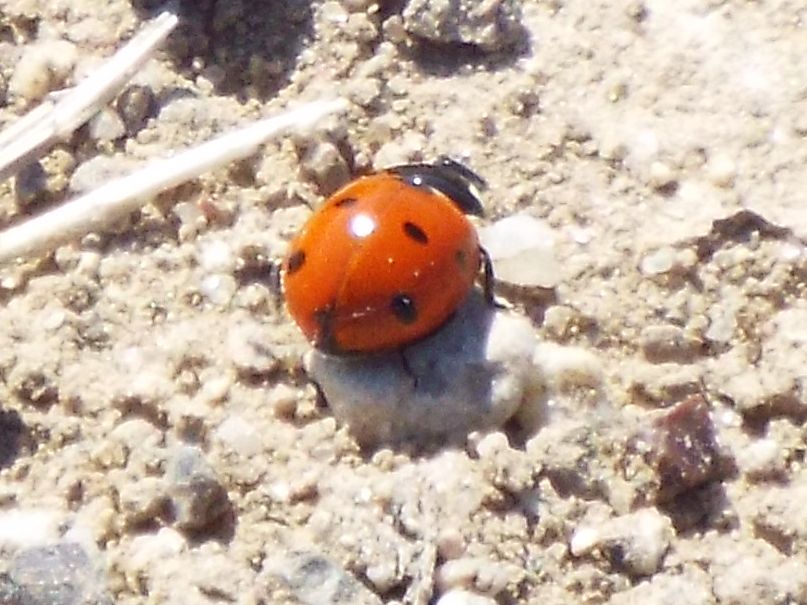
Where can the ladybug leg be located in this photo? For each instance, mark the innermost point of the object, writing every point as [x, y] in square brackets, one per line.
[408, 368]
[488, 278]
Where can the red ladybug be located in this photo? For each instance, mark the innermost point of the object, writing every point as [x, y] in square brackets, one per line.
[387, 259]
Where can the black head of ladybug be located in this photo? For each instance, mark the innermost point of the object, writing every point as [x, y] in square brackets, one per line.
[457, 182]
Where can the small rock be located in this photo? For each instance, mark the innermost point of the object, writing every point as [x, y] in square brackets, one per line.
[722, 170]
[491, 26]
[658, 262]
[313, 580]
[61, 574]
[216, 256]
[135, 106]
[662, 177]
[568, 369]
[463, 597]
[762, 459]
[522, 249]
[324, 164]
[142, 501]
[636, 542]
[197, 497]
[240, 436]
[106, 126]
[100, 170]
[473, 373]
[479, 573]
[669, 343]
[30, 186]
[682, 448]
[42, 68]
[219, 288]
[28, 528]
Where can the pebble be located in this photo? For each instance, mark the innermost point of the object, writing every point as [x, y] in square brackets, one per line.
[106, 126]
[239, 436]
[464, 597]
[219, 288]
[721, 170]
[472, 374]
[324, 164]
[683, 448]
[43, 67]
[100, 170]
[60, 574]
[479, 573]
[522, 249]
[30, 185]
[198, 498]
[135, 106]
[658, 262]
[636, 542]
[313, 579]
[28, 528]
[762, 459]
[490, 27]
[142, 501]
[670, 343]
[568, 368]
[661, 176]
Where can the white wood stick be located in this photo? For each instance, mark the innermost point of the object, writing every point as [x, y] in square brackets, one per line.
[61, 113]
[90, 212]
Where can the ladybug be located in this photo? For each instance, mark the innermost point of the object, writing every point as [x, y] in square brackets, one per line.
[387, 259]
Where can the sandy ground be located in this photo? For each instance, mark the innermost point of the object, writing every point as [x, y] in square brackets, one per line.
[665, 144]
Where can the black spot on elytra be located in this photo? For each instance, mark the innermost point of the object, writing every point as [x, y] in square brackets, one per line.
[403, 307]
[345, 202]
[295, 262]
[415, 233]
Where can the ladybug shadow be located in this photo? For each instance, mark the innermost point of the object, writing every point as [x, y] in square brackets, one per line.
[237, 43]
[438, 390]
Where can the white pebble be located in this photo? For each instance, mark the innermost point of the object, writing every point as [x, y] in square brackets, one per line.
[658, 262]
[661, 175]
[566, 368]
[763, 458]
[42, 68]
[240, 436]
[721, 170]
[523, 251]
[106, 126]
[638, 540]
[219, 289]
[216, 256]
[26, 528]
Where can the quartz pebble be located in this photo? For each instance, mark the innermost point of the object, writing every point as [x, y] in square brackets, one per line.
[240, 436]
[637, 541]
[197, 497]
[474, 373]
[489, 27]
[24, 528]
[522, 250]
[43, 67]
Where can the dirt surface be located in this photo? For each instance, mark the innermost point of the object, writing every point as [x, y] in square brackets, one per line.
[153, 405]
